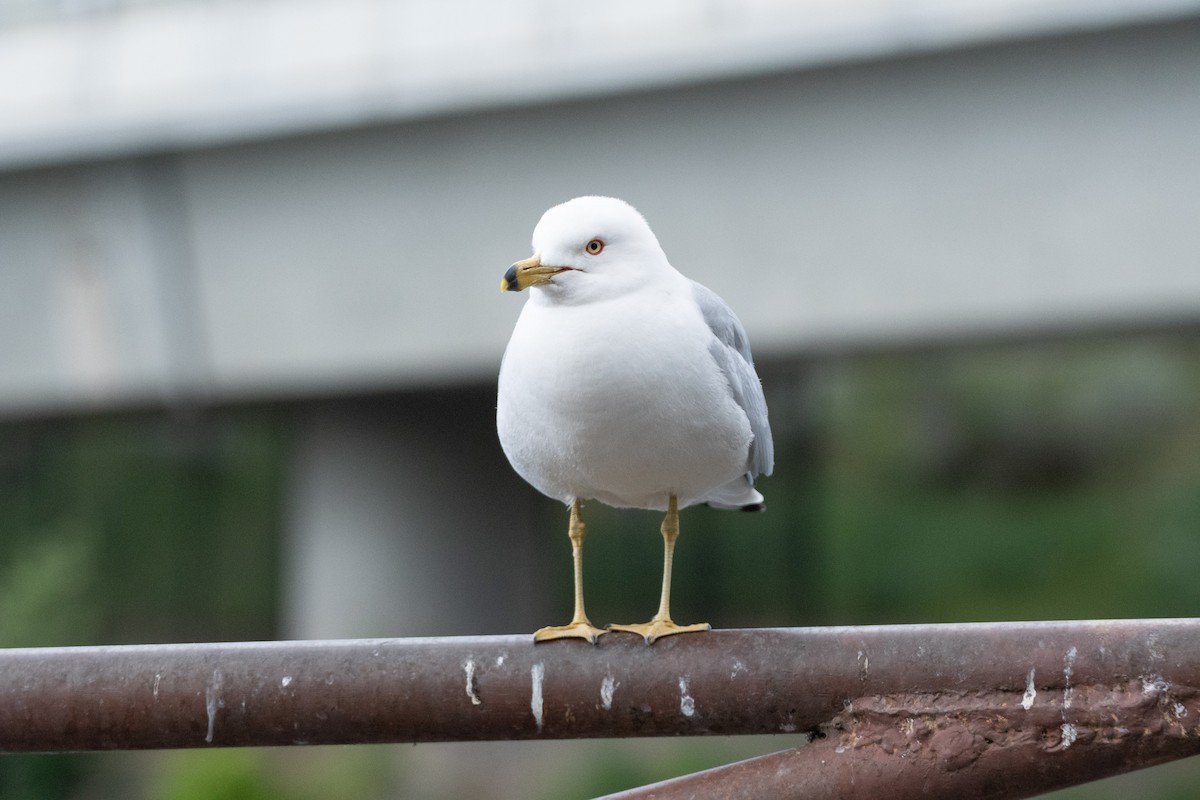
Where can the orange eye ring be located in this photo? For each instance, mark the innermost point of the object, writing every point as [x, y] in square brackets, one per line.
[594, 248]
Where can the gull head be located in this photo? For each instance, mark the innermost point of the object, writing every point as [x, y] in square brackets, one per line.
[589, 247]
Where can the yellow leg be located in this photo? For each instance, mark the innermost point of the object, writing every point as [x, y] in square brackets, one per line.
[580, 627]
[662, 625]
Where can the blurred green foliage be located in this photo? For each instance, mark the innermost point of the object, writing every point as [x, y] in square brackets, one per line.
[1037, 480]
[324, 773]
[220, 775]
[135, 528]
[1056, 481]
[140, 528]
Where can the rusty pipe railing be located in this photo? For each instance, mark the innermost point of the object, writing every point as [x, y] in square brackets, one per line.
[1069, 701]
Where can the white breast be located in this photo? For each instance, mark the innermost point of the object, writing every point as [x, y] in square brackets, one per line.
[619, 402]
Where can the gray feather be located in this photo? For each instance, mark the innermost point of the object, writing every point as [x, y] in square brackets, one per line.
[731, 351]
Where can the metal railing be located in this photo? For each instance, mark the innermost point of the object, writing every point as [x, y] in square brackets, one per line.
[989, 710]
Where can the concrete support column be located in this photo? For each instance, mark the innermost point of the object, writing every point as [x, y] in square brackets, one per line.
[405, 519]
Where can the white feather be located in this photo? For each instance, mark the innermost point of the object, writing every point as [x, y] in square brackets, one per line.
[615, 385]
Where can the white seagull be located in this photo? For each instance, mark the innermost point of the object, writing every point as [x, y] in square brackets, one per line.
[628, 383]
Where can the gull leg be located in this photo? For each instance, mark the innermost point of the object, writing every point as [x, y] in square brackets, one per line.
[579, 627]
[662, 625]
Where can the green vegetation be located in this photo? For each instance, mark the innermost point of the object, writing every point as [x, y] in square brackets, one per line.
[136, 528]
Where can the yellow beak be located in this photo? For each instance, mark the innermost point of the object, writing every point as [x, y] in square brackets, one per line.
[530, 272]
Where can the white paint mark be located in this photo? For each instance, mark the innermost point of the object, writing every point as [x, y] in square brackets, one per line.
[469, 669]
[841, 748]
[607, 687]
[1069, 734]
[864, 663]
[157, 681]
[1154, 684]
[1068, 672]
[687, 704]
[212, 702]
[1180, 710]
[1030, 692]
[285, 682]
[500, 660]
[535, 699]
[1156, 652]
[738, 667]
[788, 727]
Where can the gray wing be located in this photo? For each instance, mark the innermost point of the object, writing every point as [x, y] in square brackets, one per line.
[731, 350]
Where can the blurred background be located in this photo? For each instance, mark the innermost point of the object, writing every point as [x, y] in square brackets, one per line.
[250, 255]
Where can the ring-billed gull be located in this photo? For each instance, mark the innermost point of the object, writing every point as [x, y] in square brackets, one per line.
[628, 383]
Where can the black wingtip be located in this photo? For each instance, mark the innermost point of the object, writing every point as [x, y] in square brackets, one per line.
[755, 507]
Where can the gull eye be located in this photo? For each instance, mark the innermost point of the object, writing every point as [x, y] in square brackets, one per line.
[594, 247]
